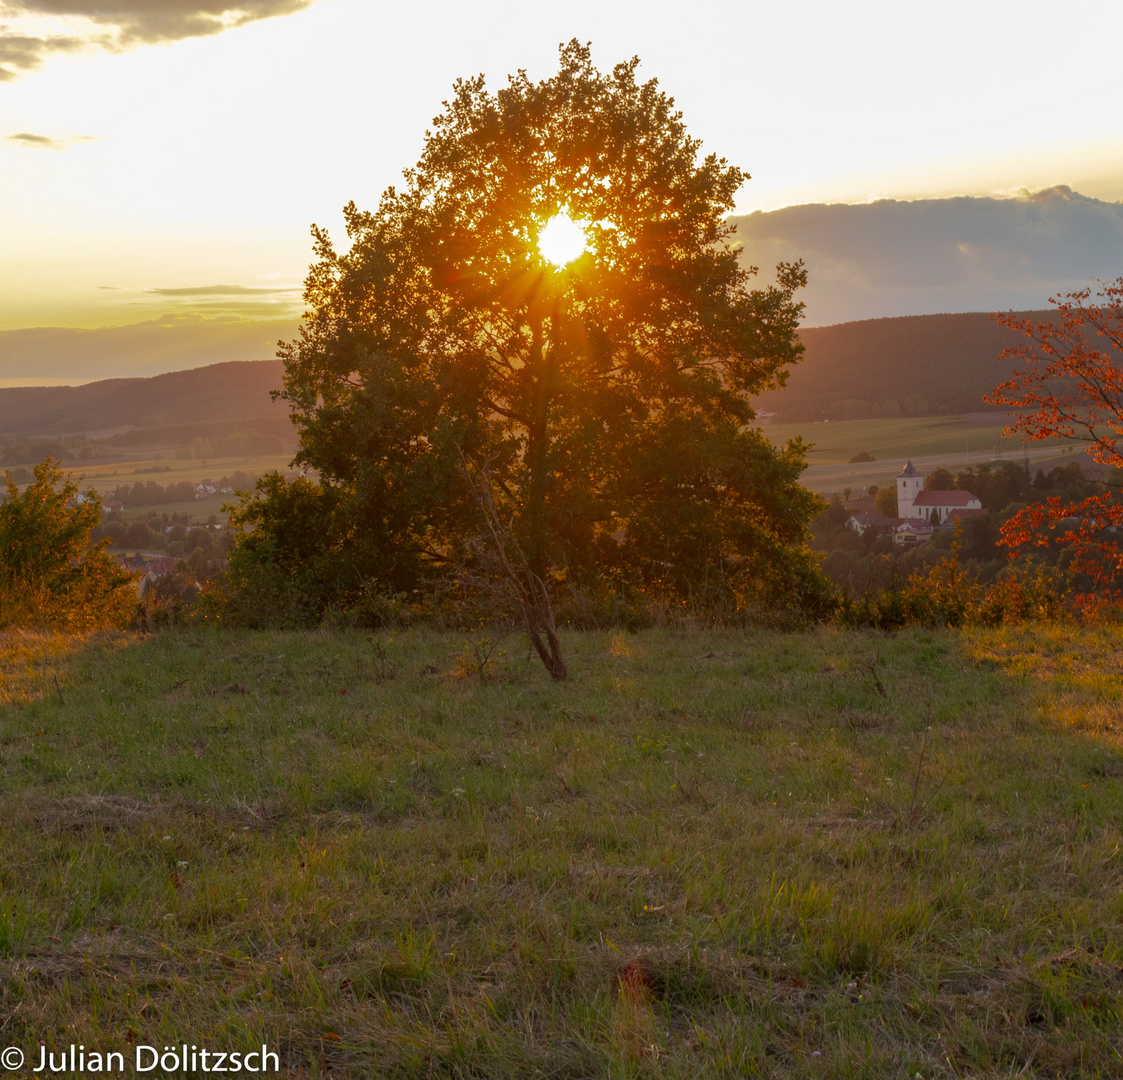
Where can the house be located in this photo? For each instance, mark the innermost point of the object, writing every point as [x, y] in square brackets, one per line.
[913, 531]
[934, 506]
[900, 530]
[962, 515]
[862, 522]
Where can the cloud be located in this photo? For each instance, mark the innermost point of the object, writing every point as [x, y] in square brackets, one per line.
[46, 142]
[889, 258]
[20, 53]
[128, 22]
[222, 290]
[170, 343]
[243, 309]
[238, 301]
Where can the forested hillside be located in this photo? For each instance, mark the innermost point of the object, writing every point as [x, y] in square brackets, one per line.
[234, 391]
[917, 365]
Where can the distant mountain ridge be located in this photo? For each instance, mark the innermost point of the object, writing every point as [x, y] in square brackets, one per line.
[913, 365]
[234, 391]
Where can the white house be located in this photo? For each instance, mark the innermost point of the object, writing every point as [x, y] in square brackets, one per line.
[913, 531]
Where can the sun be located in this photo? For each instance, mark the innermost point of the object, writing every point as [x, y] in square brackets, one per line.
[562, 240]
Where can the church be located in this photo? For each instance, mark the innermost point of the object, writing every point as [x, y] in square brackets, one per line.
[934, 506]
[919, 512]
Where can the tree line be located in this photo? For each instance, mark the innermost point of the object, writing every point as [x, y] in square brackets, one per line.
[151, 493]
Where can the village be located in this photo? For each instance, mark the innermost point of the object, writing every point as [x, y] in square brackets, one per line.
[919, 512]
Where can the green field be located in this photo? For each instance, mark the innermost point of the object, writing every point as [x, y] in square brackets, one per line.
[709, 854]
[953, 441]
[106, 477]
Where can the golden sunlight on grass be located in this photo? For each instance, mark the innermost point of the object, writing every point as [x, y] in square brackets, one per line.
[1081, 680]
[32, 662]
[562, 240]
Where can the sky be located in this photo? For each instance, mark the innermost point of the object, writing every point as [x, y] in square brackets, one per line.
[161, 161]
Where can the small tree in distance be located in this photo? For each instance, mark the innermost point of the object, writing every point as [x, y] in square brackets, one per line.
[939, 479]
[885, 499]
[605, 391]
[51, 573]
[1070, 385]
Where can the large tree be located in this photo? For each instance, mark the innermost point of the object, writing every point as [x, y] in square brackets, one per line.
[601, 393]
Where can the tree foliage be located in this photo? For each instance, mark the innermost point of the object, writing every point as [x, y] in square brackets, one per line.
[885, 499]
[608, 400]
[51, 573]
[1070, 385]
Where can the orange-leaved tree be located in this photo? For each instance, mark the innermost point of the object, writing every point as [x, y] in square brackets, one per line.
[52, 574]
[1069, 385]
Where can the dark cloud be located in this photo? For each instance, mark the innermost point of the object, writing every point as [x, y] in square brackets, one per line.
[27, 139]
[163, 20]
[940, 255]
[46, 142]
[128, 22]
[21, 53]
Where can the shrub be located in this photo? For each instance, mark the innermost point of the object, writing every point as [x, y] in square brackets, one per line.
[52, 573]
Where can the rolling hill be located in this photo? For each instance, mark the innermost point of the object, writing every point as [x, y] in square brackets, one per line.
[205, 398]
[915, 365]
[918, 365]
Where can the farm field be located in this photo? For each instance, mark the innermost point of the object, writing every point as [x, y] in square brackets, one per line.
[708, 854]
[109, 475]
[954, 441]
[106, 477]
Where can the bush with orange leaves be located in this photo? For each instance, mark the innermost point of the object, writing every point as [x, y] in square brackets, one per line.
[1069, 384]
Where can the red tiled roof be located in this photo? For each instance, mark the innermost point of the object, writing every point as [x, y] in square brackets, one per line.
[944, 498]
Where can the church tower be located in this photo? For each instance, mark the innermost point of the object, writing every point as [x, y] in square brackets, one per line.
[909, 485]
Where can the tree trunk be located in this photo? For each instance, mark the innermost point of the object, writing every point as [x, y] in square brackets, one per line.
[530, 588]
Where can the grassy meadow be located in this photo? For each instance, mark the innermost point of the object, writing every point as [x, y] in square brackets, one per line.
[708, 854]
[952, 441]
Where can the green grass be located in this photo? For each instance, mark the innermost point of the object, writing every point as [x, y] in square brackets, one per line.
[953, 441]
[838, 441]
[709, 854]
